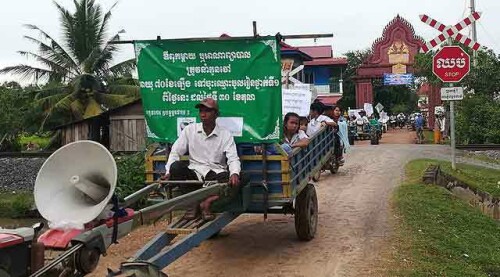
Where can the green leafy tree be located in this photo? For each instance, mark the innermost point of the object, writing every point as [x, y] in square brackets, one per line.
[401, 97]
[354, 60]
[395, 99]
[423, 68]
[14, 104]
[80, 80]
[484, 79]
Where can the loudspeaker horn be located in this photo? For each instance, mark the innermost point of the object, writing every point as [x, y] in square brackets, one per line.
[75, 184]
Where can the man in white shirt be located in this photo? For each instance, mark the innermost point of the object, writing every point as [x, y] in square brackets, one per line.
[318, 119]
[209, 146]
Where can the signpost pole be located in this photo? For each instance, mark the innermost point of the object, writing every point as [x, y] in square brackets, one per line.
[452, 126]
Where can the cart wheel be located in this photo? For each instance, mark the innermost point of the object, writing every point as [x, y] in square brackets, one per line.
[374, 140]
[316, 176]
[334, 167]
[86, 260]
[306, 213]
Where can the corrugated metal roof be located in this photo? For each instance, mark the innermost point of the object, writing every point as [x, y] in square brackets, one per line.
[328, 61]
[329, 99]
[324, 51]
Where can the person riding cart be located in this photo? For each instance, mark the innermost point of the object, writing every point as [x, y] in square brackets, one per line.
[293, 137]
[209, 145]
[318, 119]
[341, 132]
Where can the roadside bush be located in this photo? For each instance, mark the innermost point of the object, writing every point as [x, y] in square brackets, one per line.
[477, 120]
[41, 140]
[131, 174]
[15, 205]
[22, 204]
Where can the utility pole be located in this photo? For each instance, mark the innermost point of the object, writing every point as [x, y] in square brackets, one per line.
[474, 32]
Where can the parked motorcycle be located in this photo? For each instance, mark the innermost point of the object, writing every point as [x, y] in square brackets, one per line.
[392, 122]
[401, 120]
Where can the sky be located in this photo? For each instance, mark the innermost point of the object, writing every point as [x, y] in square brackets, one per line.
[355, 24]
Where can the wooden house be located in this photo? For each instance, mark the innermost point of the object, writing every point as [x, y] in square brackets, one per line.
[122, 129]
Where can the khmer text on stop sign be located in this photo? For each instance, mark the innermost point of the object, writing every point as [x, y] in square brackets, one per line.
[451, 64]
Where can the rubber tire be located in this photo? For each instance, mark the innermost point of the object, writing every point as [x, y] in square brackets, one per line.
[306, 213]
[351, 140]
[334, 168]
[374, 140]
[86, 260]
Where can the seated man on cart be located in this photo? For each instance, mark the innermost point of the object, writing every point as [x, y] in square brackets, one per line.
[209, 146]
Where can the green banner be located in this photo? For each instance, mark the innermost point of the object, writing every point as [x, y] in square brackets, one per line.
[243, 75]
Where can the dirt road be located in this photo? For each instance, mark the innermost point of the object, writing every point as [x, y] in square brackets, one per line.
[354, 226]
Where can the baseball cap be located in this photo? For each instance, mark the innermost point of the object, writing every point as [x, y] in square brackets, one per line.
[209, 103]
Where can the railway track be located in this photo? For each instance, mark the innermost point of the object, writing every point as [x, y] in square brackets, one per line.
[478, 147]
[35, 154]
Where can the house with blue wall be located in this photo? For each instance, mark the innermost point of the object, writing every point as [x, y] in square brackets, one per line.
[325, 72]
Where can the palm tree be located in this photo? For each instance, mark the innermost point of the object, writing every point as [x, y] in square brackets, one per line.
[79, 78]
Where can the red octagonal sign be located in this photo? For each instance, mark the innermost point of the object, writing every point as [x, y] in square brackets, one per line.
[451, 64]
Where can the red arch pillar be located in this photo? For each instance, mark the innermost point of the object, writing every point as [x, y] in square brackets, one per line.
[364, 92]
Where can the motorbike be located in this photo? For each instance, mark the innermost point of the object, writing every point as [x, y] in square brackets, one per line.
[411, 122]
[401, 122]
[384, 125]
[392, 122]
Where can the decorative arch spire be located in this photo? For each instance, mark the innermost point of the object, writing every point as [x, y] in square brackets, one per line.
[397, 25]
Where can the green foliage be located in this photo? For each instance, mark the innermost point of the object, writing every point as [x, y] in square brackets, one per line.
[477, 120]
[483, 179]
[15, 205]
[80, 79]
[485, 78]
[423, 68]
[14, 104]
[131, 174]
[395, 99]
[22, 204]
[400, 98]
[20, 117]
[440, 235]
[41, 140]
[354, 60]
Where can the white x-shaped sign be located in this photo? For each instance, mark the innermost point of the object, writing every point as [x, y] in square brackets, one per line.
[291, 73]
[450, 31]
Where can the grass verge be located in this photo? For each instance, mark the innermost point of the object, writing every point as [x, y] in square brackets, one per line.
[15, 205]
[428, 137]
[438, 234]
[40, 141]
[484, 179]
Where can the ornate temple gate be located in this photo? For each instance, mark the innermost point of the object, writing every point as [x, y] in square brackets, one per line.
[394, 52]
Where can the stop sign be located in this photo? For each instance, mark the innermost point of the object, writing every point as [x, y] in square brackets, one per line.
[451, 64]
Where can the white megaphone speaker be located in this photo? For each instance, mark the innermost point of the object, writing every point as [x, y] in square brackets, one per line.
[75, 184]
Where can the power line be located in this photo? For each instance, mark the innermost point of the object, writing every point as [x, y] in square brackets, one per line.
[490, 37]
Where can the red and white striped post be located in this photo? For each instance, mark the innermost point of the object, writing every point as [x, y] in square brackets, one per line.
[450, 31]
